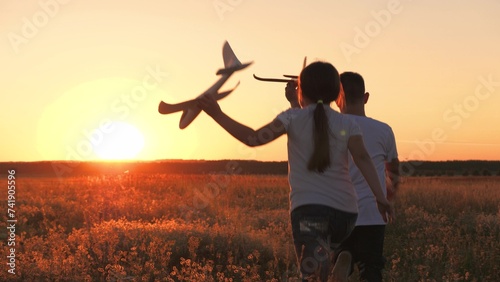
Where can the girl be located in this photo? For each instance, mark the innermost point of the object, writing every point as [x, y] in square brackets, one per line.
[323, 202]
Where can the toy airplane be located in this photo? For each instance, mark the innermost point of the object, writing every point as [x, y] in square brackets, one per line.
[189, 108]
[290, 77]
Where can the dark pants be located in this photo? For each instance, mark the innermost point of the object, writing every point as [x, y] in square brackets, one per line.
[317, 231]
[366, 244]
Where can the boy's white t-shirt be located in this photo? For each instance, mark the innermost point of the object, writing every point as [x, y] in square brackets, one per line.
[381, 145]
[333, 187]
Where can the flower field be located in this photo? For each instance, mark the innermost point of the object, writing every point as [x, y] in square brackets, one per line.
[230, 227]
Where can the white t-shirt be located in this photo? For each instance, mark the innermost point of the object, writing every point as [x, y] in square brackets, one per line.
[381, 145]
[333, 187]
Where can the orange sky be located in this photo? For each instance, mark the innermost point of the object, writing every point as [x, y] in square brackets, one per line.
[70, 67]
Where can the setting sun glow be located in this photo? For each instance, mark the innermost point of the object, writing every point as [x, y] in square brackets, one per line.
[123, 141]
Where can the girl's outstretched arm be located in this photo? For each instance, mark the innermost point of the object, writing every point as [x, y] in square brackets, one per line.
[365, 164]
[243, 133]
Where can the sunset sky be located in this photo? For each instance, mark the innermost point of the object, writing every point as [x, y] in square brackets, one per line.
[75, 73]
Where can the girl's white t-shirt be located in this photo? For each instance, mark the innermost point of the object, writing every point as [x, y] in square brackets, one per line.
[333, 187]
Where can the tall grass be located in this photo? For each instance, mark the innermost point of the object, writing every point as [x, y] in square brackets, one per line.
[233, 228]
[448, 229]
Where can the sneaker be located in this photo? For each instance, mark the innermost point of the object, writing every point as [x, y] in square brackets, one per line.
[342, 268]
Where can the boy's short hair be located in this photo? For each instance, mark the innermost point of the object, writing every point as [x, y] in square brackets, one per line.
[353, 85]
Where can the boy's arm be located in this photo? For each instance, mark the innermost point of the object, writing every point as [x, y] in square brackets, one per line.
[365, 164]
[243, 133]
[392, 169]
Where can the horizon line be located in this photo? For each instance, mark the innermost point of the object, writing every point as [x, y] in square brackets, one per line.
[216, 160]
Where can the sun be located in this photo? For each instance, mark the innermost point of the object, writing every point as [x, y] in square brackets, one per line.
[122, 141]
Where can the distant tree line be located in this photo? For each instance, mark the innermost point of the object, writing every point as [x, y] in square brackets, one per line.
[450, 168]
[67, 169]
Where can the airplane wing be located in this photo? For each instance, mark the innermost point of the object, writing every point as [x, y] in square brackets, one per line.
[291, 77]
[165, 108]
[225, 93]
[271, 79]
[232, 69]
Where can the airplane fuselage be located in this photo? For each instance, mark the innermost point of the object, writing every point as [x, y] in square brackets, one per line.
[189, 114]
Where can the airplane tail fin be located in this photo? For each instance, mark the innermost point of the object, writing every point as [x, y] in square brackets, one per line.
[230, 59]
[231, 62]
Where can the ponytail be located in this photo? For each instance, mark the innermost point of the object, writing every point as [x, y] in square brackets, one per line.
[320, 82]
[320, 159]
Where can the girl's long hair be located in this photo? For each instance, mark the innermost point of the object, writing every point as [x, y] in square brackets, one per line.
[320, 83]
